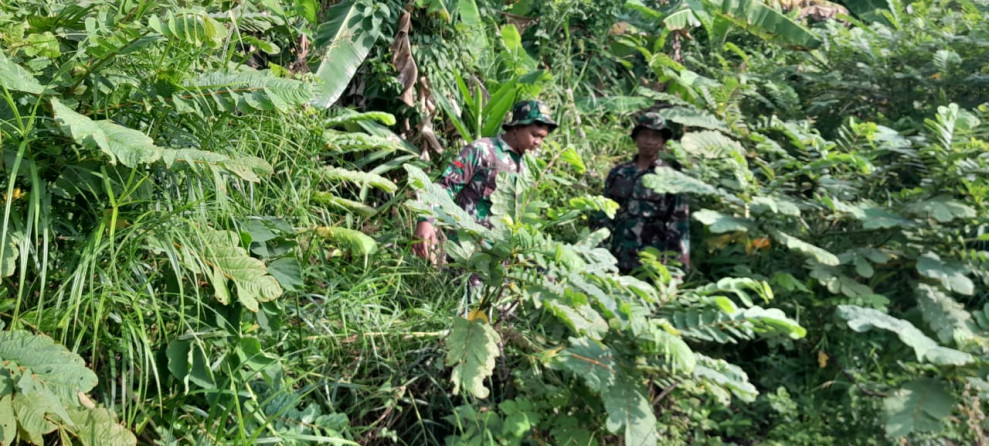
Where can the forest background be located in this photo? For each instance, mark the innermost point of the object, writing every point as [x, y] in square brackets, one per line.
[207, 209]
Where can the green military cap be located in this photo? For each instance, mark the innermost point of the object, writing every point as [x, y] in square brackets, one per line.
[528, 112]
[652, 120]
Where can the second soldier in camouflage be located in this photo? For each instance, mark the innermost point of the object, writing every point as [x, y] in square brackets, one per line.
[646, 218]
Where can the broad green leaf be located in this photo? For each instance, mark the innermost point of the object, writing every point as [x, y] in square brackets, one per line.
[307, 9]
[863, 319]
[36, 413]
[946, 316]
[361, 178]
[674, 182]
[580, 317]
[772, 321]
[710, 145]
[675, 351]
[221, 251]
[838, 283]
[942, 208]
[683, 19]
[817, 253]
[719, 223]
[8, 420]
[627, 406]
[775, 205]
[874, 217]
[570, 156]
[179, 357]
[99, 427]
[471, 350]
[347, 43]
[724, 376]
[127, 146]
[42, 363]
[919, 406]
[590, 360]
[950, 274]
[740, 287]
[767, 23]
[354, 241]
[8, 258]
[469, 14]
[288, 273]
[595, 203]
[16, 78]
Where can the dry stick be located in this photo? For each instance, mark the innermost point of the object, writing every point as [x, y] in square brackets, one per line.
[665, 392]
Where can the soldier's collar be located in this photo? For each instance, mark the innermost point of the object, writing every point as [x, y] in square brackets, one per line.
[501, 138]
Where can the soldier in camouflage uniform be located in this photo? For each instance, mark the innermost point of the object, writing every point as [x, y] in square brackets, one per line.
[470, 179]
[646, 218]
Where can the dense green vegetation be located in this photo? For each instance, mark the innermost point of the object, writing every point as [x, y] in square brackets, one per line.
[207, 211]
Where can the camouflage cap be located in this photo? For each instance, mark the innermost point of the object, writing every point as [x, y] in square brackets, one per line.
[528, 112]
[652, 120]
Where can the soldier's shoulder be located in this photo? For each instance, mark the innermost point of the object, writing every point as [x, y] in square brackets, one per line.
[484, 143]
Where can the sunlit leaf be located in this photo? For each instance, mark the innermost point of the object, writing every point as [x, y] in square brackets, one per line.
[863, 319]
[471, 350]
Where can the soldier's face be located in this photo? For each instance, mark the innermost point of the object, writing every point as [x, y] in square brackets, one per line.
[649, 142]
[527, 138]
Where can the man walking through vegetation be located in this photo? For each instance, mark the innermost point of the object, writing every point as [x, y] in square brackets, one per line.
[646, 218]
[470, 178]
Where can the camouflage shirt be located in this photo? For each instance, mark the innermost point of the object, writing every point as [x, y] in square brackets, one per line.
[645, 218]
[470, 178]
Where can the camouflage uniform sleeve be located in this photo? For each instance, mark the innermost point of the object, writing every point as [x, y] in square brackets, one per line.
[460, 171]
[681, 222]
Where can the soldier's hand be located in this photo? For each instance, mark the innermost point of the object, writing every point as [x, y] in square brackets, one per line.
[425, 241]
